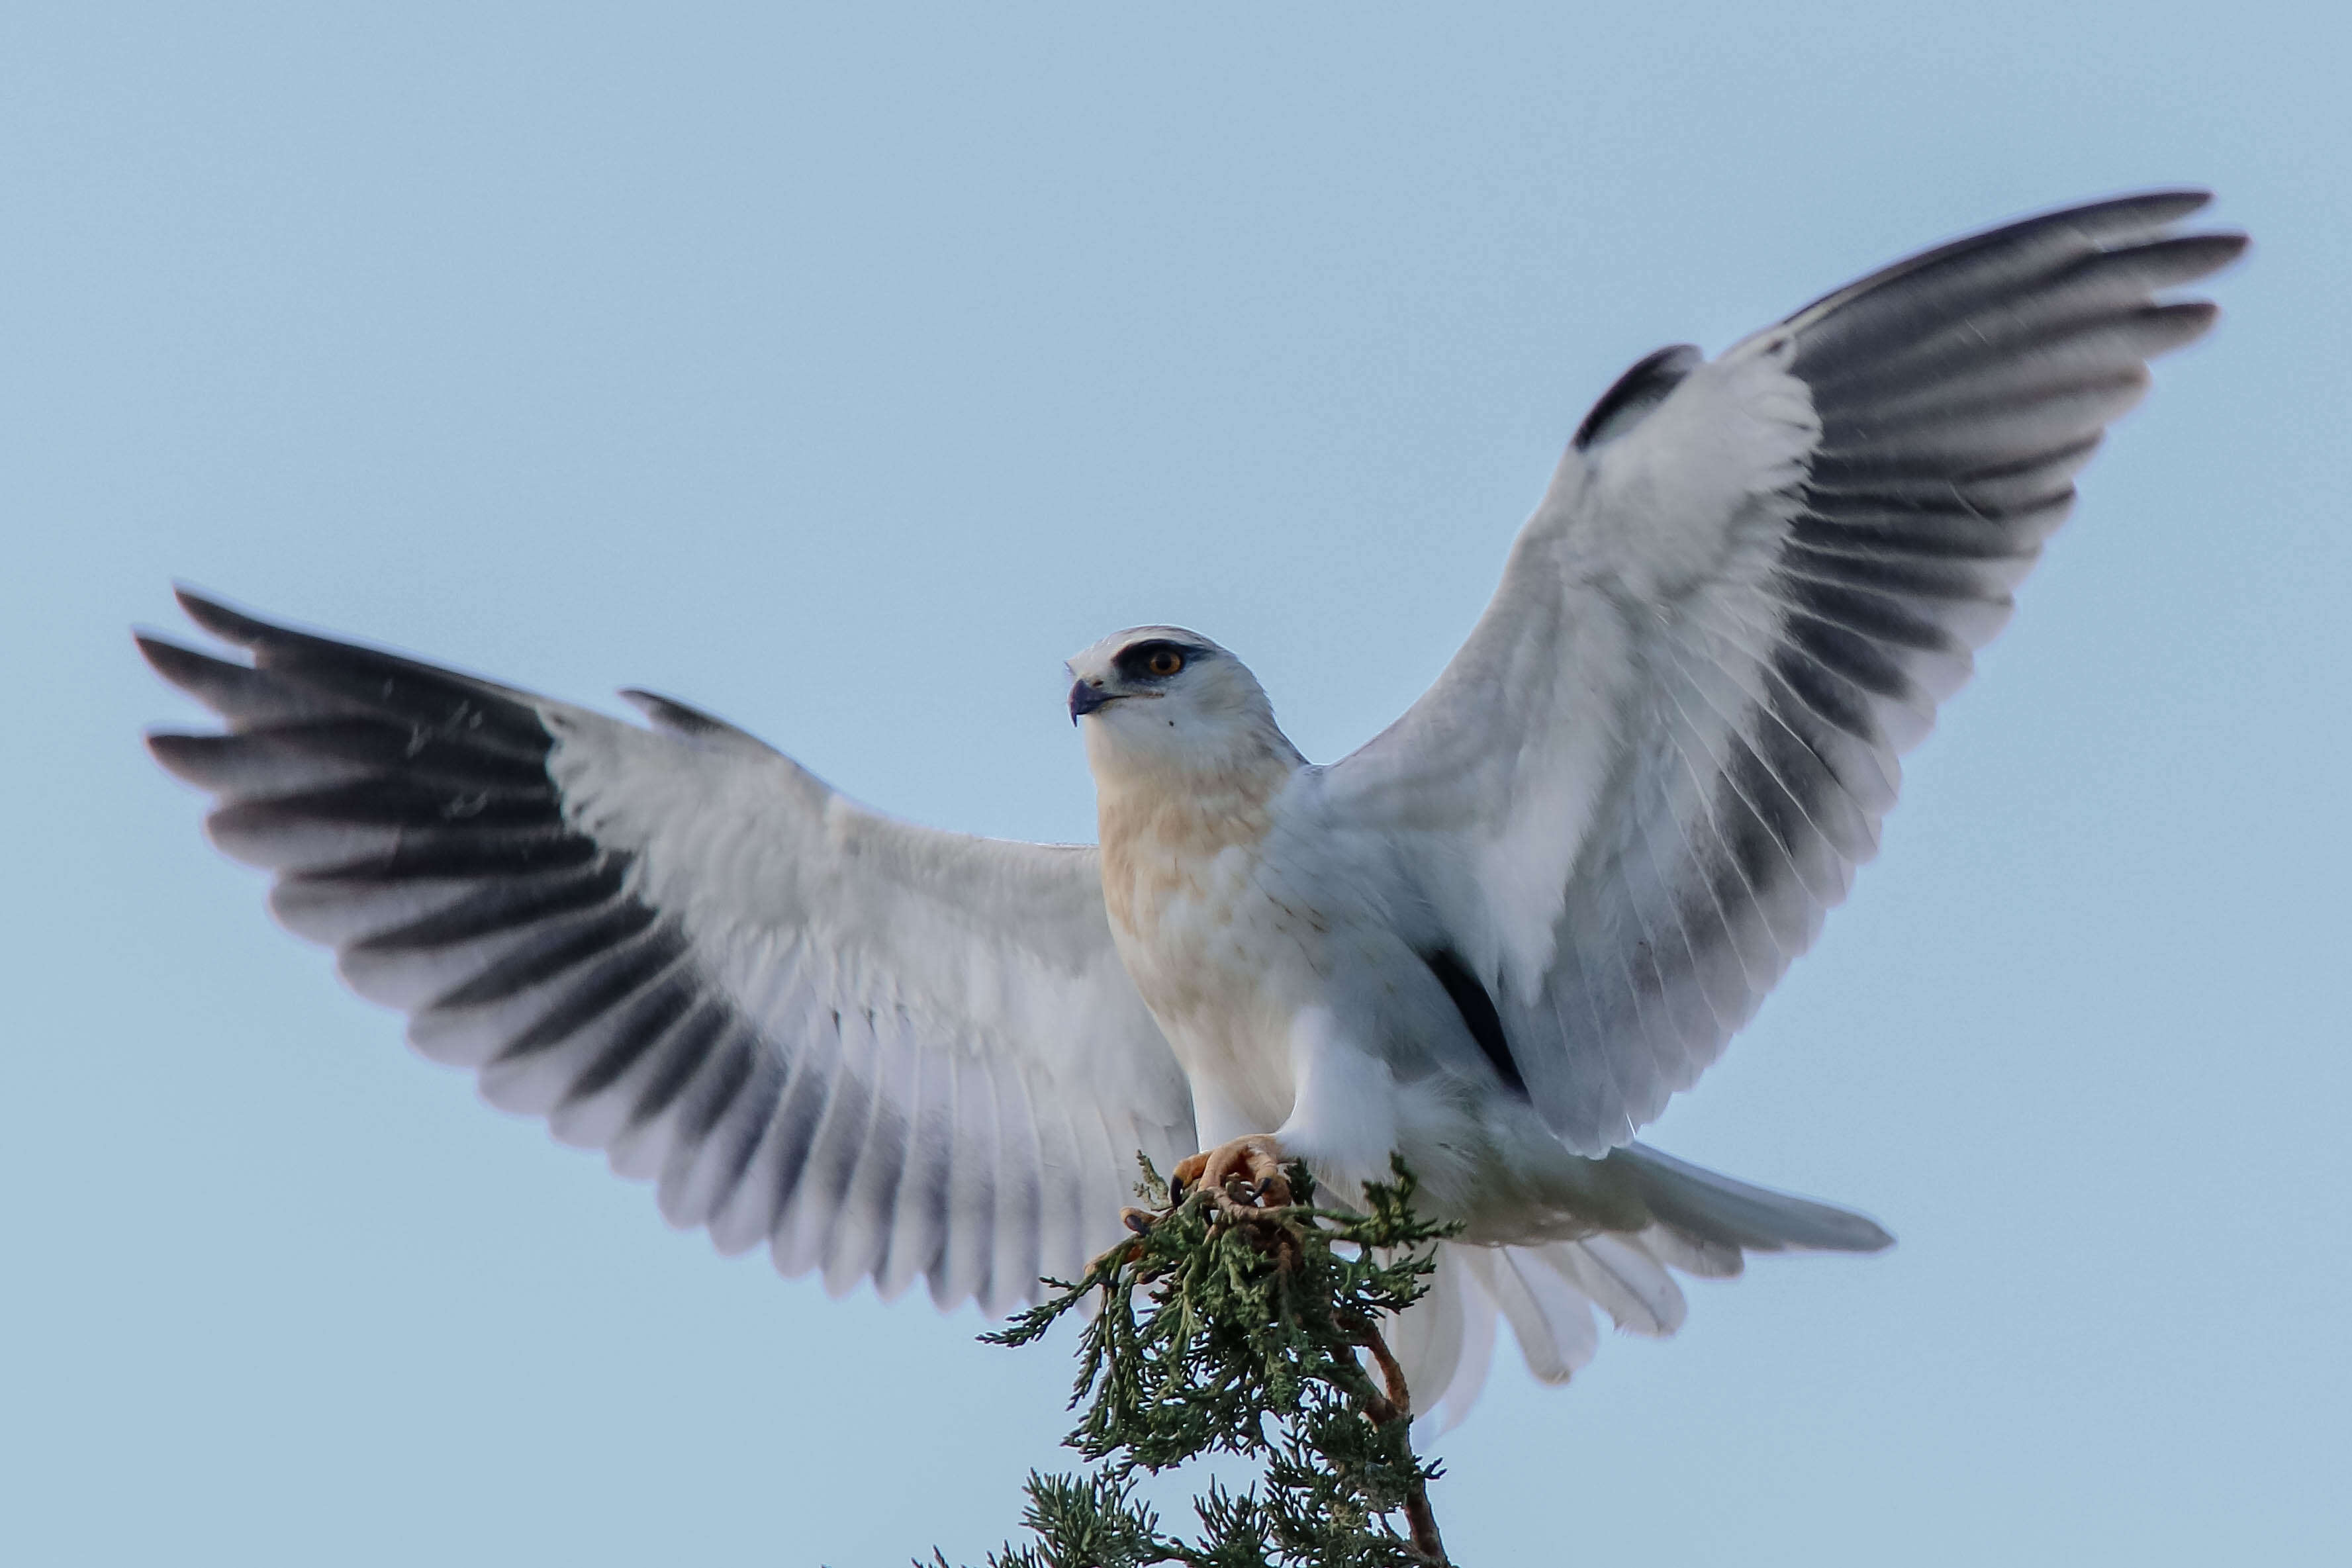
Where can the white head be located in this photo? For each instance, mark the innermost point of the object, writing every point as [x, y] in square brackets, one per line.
[1169, 702]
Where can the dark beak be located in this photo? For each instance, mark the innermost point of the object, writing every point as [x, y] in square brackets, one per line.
[1085, 697]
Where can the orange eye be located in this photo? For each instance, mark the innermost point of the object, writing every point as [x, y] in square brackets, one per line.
[1165, 661]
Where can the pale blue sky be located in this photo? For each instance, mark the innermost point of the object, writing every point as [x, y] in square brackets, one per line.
[842, 375]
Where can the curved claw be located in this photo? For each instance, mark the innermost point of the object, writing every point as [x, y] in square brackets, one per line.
[1243, 1174]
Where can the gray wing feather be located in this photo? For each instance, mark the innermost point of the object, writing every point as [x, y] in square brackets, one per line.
[885, 1052]
[1655, 766]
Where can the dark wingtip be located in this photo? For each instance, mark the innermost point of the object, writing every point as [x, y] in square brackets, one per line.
[2165, 204]
[2191, 320]
[183, 666]
[159, 652]
[1869, 1236]
[181, 755]
[229, 625]
[2228, 244]
[2174, 201]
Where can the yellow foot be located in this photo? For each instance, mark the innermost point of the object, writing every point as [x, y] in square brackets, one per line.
[1245, 1172]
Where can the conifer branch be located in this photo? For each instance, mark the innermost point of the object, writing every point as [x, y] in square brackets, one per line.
[1223, 1327]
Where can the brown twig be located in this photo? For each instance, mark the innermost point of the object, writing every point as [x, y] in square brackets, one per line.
[1396, 1404]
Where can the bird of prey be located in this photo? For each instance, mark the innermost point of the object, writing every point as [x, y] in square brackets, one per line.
[1493, 941]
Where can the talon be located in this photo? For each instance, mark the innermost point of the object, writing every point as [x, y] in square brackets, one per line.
[1138, 1220]
[1244, 1173]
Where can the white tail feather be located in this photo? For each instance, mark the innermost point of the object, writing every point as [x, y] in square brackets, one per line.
[1548, 1292]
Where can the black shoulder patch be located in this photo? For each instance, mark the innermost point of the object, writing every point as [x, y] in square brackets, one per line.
[1477, 1011]
[1637, 391]
[669, 714]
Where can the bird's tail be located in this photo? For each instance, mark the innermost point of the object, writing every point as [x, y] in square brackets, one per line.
[1701, 1224]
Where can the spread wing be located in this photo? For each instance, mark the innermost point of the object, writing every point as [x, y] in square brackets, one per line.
[881, 1050]
[1633, 794]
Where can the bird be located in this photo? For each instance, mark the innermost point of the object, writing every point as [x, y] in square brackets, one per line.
[1492, 943]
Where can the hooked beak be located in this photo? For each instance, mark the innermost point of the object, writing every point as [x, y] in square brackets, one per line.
[1085, 696]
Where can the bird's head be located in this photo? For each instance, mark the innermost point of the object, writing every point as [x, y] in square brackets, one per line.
[1164, 699]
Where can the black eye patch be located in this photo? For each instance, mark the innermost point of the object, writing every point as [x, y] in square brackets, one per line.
[1157, 660]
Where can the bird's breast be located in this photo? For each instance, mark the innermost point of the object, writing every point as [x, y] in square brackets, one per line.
[1223, 950]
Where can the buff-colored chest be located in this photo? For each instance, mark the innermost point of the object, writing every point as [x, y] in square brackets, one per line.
[1221, 949]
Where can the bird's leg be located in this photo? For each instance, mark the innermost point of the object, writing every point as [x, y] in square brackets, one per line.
[1244, 1173]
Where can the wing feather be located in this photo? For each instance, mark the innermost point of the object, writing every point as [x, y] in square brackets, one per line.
[1636, 793]
[885, 1052]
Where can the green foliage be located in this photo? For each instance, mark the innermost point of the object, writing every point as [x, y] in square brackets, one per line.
[1226, 1328]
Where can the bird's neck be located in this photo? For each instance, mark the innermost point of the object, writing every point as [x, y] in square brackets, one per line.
[1242, 753]
[1188, 806]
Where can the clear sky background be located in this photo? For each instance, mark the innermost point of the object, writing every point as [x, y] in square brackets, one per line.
[841, 374]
